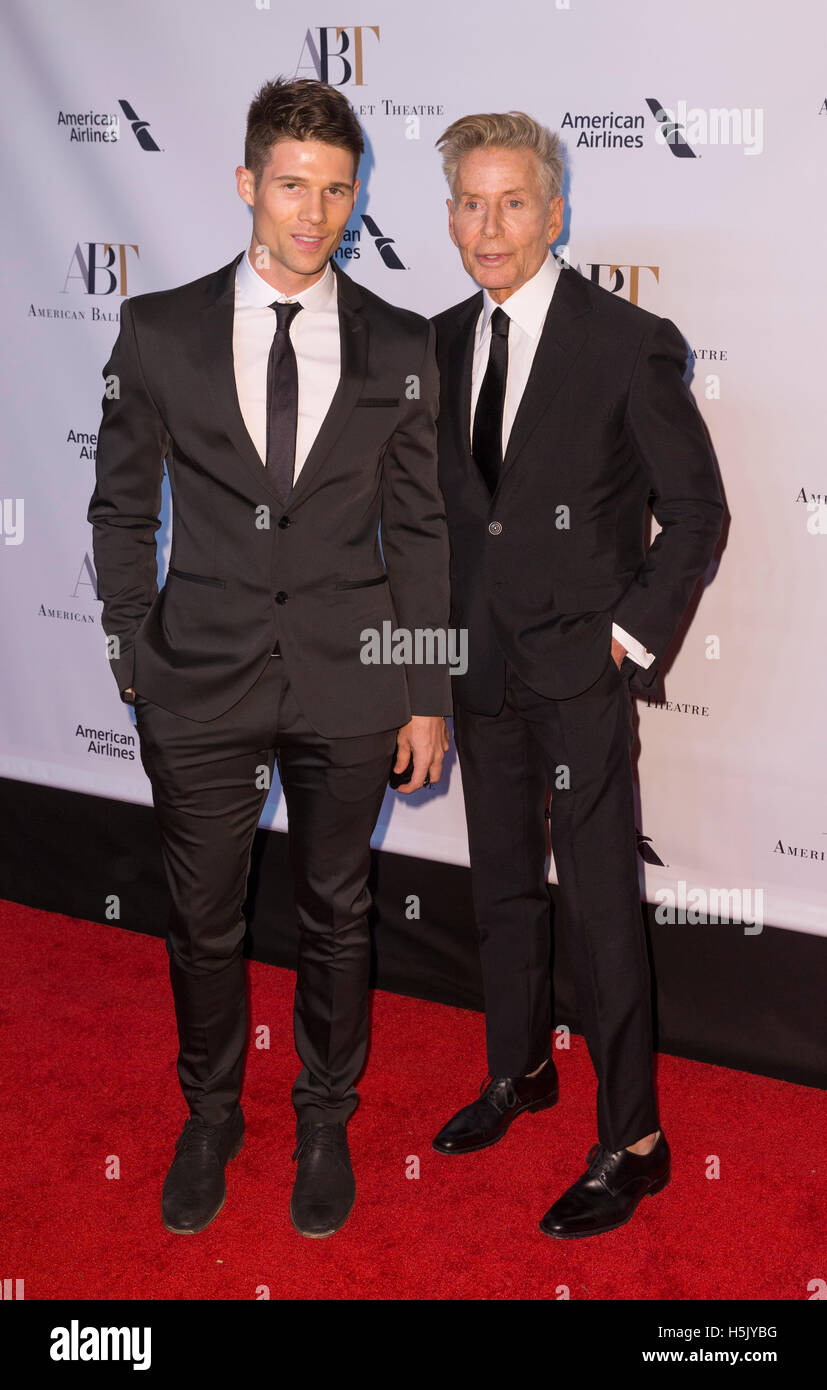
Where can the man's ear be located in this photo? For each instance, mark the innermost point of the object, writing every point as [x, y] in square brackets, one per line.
[450, 208]
[555, 219]
[245, 184]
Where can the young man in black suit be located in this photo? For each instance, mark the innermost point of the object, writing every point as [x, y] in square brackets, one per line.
[296, 411]
[563, 412]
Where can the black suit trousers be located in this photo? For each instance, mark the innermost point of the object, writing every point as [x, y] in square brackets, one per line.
[209, 783]
[580, 748]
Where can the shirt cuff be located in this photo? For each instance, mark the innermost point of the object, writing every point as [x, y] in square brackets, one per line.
[634, 649]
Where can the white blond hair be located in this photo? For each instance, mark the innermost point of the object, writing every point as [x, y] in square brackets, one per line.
[510, 130]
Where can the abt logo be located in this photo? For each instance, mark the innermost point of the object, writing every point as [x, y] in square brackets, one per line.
[338, 60]
[100, 266]
[87, 579]
[616, 279]
[140, 128]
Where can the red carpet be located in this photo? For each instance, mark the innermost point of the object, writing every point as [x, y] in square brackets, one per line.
[88, 1042]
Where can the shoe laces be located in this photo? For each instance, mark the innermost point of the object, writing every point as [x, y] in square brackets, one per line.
[599, 1160]
[197, 1135]
[489, 1086]
[319, 1136]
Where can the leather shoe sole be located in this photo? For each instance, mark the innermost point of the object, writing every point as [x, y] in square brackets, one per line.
[196, 1230]
[545, 1104]
[651, 1191]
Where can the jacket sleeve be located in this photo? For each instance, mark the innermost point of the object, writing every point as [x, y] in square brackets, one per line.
[415, 535]
[125, 507]
[671, 444]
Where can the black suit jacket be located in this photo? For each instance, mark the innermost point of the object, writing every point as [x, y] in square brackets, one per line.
[540, 571]
[245, 570]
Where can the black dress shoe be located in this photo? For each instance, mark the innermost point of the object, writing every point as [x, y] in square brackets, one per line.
[194, 1188]
[325, 1188]
[605, 1196]
[501, 1100]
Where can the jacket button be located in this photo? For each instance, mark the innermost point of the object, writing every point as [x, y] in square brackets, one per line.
[494, 528]
[284, 522]
[281, 596]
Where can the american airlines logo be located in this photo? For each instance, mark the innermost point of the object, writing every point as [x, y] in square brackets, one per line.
[140, 129]
[670, 131]
[384, 244]
[104, 127]
[647, 851]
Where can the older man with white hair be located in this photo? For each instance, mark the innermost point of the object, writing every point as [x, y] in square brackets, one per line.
[563, 413]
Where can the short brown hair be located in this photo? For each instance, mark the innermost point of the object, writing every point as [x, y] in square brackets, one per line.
[510, 130]
[299, 110]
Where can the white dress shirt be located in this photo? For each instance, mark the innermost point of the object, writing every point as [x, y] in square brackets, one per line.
[314, 334]
[527, 308]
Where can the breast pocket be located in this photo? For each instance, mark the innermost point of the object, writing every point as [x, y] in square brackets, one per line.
[361, 583]
[197, 578]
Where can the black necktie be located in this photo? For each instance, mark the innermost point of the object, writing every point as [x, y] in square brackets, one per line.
[282, 401]
[487, 437]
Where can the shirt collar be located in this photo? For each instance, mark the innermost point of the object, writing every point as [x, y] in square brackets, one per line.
[256, 291]
[528, 305]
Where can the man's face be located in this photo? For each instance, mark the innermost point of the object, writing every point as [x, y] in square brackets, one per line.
[305, 196]
[499, 219]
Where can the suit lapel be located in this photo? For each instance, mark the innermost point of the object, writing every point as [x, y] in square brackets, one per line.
[353, 340]
[456, 370]
[217, 350]
[563, 335]
[217, 357]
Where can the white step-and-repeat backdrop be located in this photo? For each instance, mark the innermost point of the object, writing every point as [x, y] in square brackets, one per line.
[123, 126]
